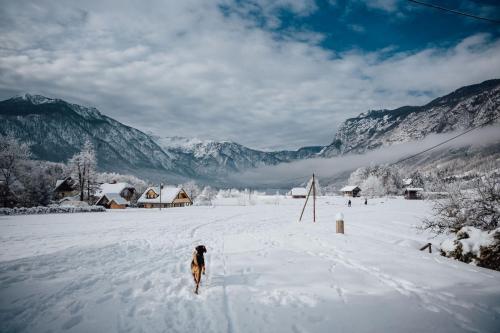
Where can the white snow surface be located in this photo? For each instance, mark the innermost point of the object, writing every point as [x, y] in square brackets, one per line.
[129, 271]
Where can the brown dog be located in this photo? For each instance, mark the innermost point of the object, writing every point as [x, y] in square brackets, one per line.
[198, 265]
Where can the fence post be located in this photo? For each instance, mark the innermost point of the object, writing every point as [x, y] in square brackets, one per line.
[340, 223]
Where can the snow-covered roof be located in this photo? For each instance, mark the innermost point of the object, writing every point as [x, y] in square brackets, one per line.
[349, 188]
[418, 189]
[59, 182]
[108, 188]
[116, 197]
[299, 191]
[168, 194]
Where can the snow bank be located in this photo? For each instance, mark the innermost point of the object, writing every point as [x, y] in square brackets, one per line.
[50, 210]
[129, 271]
[472, 245]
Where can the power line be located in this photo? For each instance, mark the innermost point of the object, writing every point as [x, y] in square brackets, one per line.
[446, 141]
[455, 11]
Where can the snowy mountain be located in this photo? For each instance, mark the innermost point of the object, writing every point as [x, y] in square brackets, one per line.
[218, 158]
[55, 130]
[464, 108]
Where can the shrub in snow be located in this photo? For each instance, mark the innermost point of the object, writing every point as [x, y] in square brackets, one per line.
[471, 245]
[50, 210]
[479, 208]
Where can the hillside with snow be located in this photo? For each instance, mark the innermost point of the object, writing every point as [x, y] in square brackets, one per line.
[460, 110]
[219, 158]
[129, 271]
[56, 129]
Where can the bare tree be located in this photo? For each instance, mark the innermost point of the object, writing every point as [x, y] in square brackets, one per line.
[12, 155]
[478, 207]
[83, 168]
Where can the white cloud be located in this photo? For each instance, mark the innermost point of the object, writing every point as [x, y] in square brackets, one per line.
[186, 68]
[386, 5]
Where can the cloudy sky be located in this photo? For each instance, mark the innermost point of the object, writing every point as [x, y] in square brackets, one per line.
[267, 74]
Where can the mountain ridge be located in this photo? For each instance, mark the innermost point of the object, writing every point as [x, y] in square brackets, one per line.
[56, 129]
[459, 110]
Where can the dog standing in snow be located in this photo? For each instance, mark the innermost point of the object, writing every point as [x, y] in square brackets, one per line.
[198, 265]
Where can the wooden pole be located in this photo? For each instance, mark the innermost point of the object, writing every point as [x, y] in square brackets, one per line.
[429, 246]
[305, 203]
[314, 198]
[160, 195]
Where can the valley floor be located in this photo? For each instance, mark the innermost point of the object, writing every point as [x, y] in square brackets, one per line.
[129, 271]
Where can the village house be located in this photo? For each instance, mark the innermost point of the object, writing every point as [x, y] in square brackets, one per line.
[298, 192]
[114, 195]
[350, 191]
[169, 196]
[112, 201]
[65, 188]
[413, 193]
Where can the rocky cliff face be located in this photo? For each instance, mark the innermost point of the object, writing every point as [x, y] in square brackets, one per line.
[462, 109]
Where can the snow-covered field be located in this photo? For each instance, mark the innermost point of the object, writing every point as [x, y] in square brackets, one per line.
[128, 271]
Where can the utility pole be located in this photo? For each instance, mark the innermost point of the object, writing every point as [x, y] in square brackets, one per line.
[313, 189]
[313, 185]
[161, 185]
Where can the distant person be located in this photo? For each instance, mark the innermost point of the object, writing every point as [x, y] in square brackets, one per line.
[349, 203]
[366, 201]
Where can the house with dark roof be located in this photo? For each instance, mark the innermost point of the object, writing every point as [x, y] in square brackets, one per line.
[350, 191]
[65, 188]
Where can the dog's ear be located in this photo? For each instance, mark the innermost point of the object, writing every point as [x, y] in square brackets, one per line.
[204, 249]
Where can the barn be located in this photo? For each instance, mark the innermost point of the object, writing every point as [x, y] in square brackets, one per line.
[413, 193]
[169, 196]
[350, 191]
[64, 188]
[114, 195]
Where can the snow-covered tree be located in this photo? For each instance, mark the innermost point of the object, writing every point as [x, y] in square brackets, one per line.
[388, 179]
[82, 167]
[12, 155]
[38, 183]
[205, 197]
[318, 187]
[417, 179]
[192, 189]
[373, 187]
